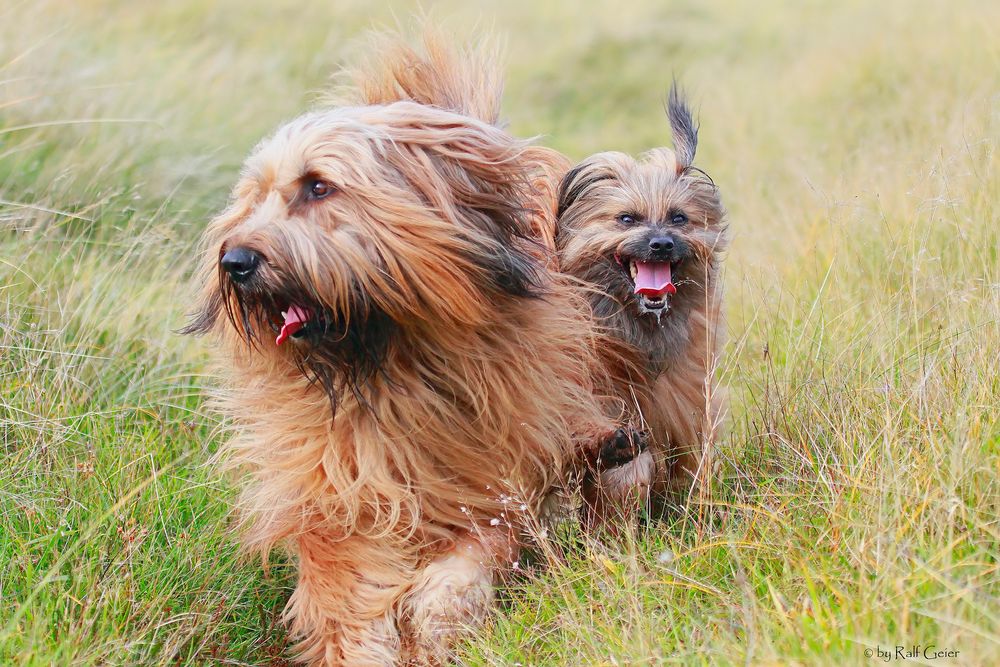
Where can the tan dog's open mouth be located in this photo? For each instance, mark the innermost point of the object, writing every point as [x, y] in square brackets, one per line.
[294, 322]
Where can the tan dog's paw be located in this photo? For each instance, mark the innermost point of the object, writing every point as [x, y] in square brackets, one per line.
[451, 597]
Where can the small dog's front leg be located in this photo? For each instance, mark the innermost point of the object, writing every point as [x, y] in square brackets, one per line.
[617, 482]
[619, 448]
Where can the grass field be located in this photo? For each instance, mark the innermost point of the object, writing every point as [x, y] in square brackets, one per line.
[857, 500]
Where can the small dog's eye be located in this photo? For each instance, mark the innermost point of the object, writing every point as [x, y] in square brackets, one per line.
[679, 218]
[626, 219]
[319, 189]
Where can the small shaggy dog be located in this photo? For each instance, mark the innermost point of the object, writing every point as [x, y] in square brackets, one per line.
[648, 235]
[406, 377]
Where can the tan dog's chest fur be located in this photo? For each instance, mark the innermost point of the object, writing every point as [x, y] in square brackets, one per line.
[411, 457]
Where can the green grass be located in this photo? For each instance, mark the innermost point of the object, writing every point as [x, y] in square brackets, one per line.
[857, 499]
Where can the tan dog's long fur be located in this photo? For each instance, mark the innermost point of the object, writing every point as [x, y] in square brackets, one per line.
[399, 449]
[667, 386]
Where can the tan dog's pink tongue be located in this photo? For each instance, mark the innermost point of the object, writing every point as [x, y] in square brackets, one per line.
[653, 279]
[295, 319]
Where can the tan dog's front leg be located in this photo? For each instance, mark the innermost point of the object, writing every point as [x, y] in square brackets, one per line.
[454, 593]
[342, 609]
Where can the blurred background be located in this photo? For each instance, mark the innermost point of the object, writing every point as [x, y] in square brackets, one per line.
[854, 144]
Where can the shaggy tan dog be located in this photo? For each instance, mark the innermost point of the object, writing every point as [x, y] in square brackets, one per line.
[405, 376]
[649, 235]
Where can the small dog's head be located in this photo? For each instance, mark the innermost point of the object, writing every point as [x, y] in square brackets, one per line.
[647, 232]
[352, 227]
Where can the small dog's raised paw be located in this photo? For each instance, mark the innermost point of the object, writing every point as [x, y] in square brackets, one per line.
[623, 446]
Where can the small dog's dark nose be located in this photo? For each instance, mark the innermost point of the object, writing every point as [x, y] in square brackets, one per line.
[240, 264]
[661, 244]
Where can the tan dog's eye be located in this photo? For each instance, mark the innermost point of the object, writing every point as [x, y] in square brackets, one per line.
[627, 219]
[318, 189]
[678, 218]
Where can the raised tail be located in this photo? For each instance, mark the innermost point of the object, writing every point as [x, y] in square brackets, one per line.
[463, 78]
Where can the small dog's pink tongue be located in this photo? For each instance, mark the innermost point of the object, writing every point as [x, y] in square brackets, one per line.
[295, 319]
[653, 279]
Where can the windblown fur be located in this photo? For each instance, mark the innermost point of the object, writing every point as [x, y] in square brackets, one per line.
[614, 211]
[401, 444]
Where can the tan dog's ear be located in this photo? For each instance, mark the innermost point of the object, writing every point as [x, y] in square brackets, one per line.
[683, 128]
[480, 179]
[204, 318]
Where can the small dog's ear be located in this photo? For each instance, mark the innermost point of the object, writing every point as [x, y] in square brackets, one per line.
[683, 127]
[578, 180]
[569, 191]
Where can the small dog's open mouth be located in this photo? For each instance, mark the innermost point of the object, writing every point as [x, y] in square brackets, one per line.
[294, 323]
[653, 283]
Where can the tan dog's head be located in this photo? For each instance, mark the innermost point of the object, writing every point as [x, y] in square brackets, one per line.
[648, 232]
[352, 227]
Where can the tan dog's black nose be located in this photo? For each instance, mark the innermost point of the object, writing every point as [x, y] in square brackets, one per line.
[240, 264]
